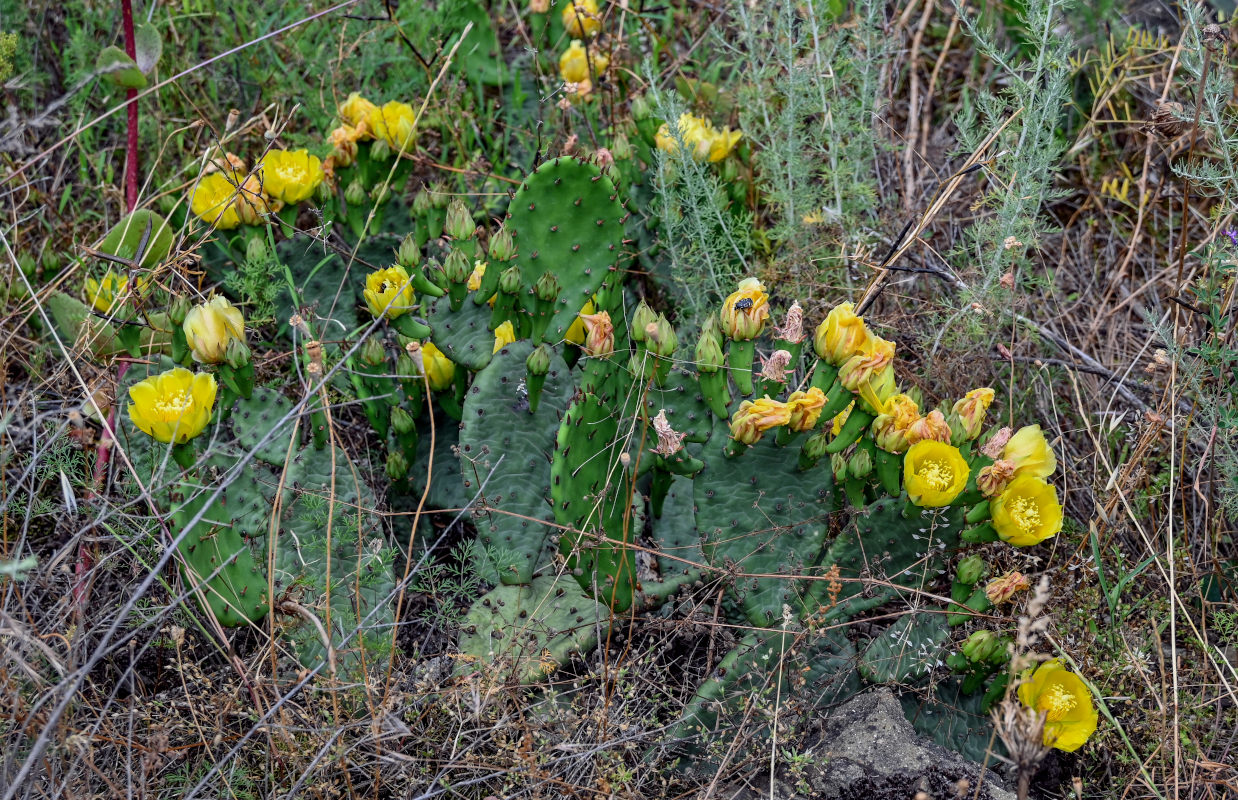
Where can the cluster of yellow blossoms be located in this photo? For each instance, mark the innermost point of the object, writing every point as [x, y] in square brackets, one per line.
[394, 124]
[227, 196]
[579, 66]
[704, 141]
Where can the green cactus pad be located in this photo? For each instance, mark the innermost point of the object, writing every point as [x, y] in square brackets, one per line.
[760, 513]
[447, 485]
[567, 218]
[953, 720]
[464, 336]
[906, 650]
[686, 410]
[254, 418]
[880, 543]
[325, 286]
[590, 490]
[523, 633]
[675, 536]
[505, 451]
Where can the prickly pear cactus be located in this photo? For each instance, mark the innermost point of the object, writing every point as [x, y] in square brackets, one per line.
[253, 419]
[953, 719]
[567, 219]
[505, 451]
[686, 410]
[463, 335]
[759, 512]
[526, 632]
[590, 490]
[906, 650]
[677, 543]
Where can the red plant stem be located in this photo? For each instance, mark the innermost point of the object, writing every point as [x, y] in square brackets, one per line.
[131, 148]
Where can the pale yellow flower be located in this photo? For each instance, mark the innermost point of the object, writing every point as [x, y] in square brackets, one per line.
[210, 326]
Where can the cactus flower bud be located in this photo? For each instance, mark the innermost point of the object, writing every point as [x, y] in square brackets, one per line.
[210, 326]
[380, 151]
[981, 646]
[256, 251]
[931, 428]
[971, 570]
[402, 422]
[547, 288]
[640, 109]
[355, 195]
[406, 367]
[745, 311]
[708, 353]
[806, 409]
[814, 446]
[890, 428]
[397, 465]
[459, 224]
[621, 148]
[841, 336]
[1003, 589]
[179, 309]
[237, 354]
[438, 195]
[409, 254]
[380, 194]
[967, 416]
[838, 466]
[509, 280]
[669, 442]
[660, 337]
[642, 317]
[421, 202]
[372, 352]
[457, 267]
[502, 247]
[599, 334]
[538, 362]
[860, 464]
[754, 417]
[992, 480]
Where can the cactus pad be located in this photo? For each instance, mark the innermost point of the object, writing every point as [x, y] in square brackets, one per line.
[906, 650]
[464, 336]
[252, 419]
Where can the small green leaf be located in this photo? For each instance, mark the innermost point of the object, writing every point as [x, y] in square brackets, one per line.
[115, 65]
[149, 47]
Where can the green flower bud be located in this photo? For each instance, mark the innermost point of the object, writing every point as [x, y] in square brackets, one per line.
[256, 251]
[237, 353]
[838, 465]
[380, 150]
[980, 646]
[860, 464]
[372, 352]
[509, 281]
[660, 337]
[51, 261]
[538, 362]
[621, 148]
[547, 288]
[409, 254]
[178, 309]
[406, 368]
[421, 202]
[708, 353]
[397, 465]
[438, 195]
[457, 267]
[814, 446]
[640, 109]
[641, 318]
[971, 570]
[381, 194]
[402, 422]
[354, 195]
[502, 248]
[322, 193]
[459, 221]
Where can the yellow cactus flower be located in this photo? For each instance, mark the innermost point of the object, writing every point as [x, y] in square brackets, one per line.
[841, 335]
[599, 334]
[576, 331]
[574, 63]
[1027, 511]
[699, 134]
[1064, 699]
[440, 369]
[389, 292]
[479, 272]
[805, 409]
[754, 417]
[210, 326]
[935, 473]
[356, 111]
[1030, 452]
[394, 123]
[504, 335]
[890, 427]
[745, 311]
[174, 406]
[968, 413]
[580, 18]
[213, 201]
[291, 176]
[107, 292]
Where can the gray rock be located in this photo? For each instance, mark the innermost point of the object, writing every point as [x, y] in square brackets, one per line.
[867, 749]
